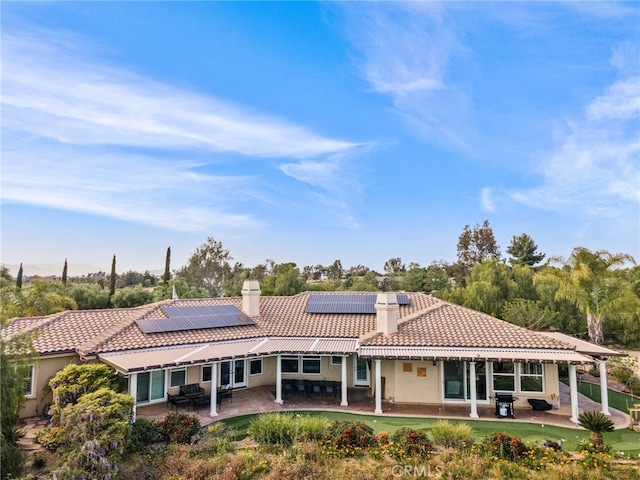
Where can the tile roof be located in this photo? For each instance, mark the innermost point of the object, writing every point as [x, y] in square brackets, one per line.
[426, 321]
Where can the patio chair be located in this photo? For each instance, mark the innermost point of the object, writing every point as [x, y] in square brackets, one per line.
[288, 387]
[329, 389]
[301, 388]
[316, 389]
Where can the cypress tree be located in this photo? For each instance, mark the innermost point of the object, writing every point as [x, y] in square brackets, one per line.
[167, 262]
[112, 279]
[64, 273]
[19, 277]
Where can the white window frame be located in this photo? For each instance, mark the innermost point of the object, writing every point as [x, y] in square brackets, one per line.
[176, 370]
[522, 374]
[315, 358]
[336, 360]
[251, 366]
[32, 382]
[202, 380]
[290, 357]
[513, 375]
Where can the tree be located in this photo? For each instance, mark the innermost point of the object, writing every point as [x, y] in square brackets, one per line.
[41, 298]
[19, 277]
[475, 246]
[208, 267]
[167, 263]
[284, 280]
[64, 273]
[523, 251]
[530, 314]
[335, 270]
[589, 281]
[596, 423]
[131, 297]
[89, 296]
[395, 265]
[16, 358]
[112, 278]
[96, 431]
[6, 279]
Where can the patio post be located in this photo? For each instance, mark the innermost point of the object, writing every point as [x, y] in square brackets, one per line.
[573, 387]
[278, 380]
[133, 391]
[604, 393]
[378, 387]
[213, 412]
[473, 394]
[343, 384]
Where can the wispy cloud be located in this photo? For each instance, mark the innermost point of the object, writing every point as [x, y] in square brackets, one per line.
[594, 172]
[82, 135]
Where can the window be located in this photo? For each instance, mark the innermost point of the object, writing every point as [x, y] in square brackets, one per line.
[178, 377]
[531, 377]
[336, 360]
[255, 367]
[504, 377]
[29, 382]
[311, 365]
[289, 365]
[206, 373]
[150, 386]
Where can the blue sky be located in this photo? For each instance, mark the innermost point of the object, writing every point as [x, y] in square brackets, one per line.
[309, 132]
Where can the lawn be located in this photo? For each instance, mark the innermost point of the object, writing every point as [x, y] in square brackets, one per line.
[617, 400]
[623, 440]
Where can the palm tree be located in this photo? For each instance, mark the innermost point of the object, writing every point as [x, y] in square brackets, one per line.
[589, 281]
[596, 423]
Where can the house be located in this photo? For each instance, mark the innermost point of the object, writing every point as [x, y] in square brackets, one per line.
[404, 347]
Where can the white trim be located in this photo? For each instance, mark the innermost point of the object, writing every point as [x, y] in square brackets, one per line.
[32, 382]
[259, 359]
[178, 369]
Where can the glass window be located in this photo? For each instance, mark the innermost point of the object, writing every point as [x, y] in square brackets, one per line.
[178, 377]
[531, 377]
[206, 373]
[255, 366]
[311, 365]
[336, 360]
[289, 365]
[29, 381]
[504, 378]
[157, 384]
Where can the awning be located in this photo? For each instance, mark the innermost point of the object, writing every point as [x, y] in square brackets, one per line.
[168, 357]
[582, 346]
[475, 354]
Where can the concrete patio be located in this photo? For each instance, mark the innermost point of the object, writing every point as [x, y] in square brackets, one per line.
[261, 399]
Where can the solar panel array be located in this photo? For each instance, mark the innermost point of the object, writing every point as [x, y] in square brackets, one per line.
[347, 302]
[195, 317]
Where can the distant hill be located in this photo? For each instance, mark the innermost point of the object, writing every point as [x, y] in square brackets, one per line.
[55, 269]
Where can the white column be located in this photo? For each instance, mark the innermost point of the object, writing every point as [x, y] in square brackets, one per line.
[278, 380]
[472, 393]
[604, 393]
[343, 384]
[573, 387]
[378, 387]
[213, 412]
[133, 391]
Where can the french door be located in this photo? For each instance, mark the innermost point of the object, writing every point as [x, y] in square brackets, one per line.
[361, 372]
[234, 373]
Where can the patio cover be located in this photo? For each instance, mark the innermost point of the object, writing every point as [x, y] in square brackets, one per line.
[475, 354]
[167, 357]
[582, 346]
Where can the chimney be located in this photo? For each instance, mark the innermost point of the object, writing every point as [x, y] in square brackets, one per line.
[387, 313]
[251, 298]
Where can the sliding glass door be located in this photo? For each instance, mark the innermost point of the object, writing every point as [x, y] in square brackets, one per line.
[457, 381]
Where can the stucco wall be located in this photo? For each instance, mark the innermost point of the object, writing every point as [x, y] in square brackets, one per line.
[411, 381]
[46, 368]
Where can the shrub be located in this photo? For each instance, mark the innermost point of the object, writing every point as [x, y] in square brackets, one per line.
[410, 444]
[596, 423]
[143, 433]
[452, 435]
[313, 428]
[49, 438]
[179, 427]
[273, 429]
[503, 446]
[351, 434]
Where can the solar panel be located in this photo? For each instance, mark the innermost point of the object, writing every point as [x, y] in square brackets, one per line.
[195, 317]
[347, 302]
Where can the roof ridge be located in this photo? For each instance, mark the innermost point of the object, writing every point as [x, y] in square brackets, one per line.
[90, 346]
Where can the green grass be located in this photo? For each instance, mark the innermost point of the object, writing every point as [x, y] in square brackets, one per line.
[623, 440]
[617, 400]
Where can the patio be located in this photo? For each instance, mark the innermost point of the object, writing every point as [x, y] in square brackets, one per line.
[261, 399]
